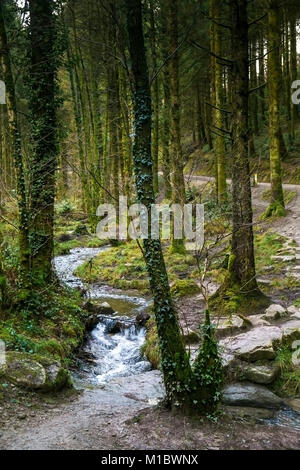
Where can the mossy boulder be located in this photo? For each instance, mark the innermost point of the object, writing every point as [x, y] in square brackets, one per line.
[35, 372]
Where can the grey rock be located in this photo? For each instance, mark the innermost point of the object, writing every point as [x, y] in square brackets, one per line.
[291, 329]
[261, 374]
[105, 309]
[294, 404]
[99, 309]
[254, 345]
[227, 326]
[247, 394]
[250, 412]
[274, 312]
[25, 372]
[35, 373]
[257, 320]
[284, 259]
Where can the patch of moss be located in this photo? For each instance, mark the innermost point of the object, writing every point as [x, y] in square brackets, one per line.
[297, 303]
[151, 346]
[275, 209]
[268, 245]
[184, 287]
[231, 300]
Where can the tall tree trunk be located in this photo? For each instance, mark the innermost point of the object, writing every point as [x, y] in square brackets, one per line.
[293, 70]
[166, 111]
[274, 83]
[43, 104]
[218, 118]
[24, 249]
[184, 388]
[241, 265]
[155, 95]
[178, 183]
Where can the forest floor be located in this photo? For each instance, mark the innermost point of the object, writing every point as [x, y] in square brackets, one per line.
[122, 417]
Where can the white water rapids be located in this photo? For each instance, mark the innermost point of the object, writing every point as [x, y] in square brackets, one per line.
[114, 355]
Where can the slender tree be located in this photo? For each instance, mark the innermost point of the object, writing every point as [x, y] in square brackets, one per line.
[43, 105]
[178, 184]
[16, 147]
[274, 83]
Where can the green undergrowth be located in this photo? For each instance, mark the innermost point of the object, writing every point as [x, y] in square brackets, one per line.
[124, 267]
[267, 245]
[52, 325]
[288, 382]
[297, 303]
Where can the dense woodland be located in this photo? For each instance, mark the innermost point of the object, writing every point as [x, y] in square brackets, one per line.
[144, 98]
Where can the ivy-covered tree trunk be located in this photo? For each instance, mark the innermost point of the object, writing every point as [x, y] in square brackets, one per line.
[274, 84]
[183, 384]
[16, 147]
[42, 104]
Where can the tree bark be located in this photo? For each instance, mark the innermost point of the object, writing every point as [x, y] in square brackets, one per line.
[43, 105]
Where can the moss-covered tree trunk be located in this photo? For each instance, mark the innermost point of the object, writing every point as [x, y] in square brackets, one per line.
[242, 265]
[155, 94]
[219, 143]
[166, 108]
[274, 87]
[178, 184]
[293, 70]
[16, 147]
[43, 105]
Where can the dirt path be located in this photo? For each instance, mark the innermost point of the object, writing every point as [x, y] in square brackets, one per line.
[121, 415]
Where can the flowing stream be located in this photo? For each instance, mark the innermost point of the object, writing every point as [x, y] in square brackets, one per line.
[112, 357]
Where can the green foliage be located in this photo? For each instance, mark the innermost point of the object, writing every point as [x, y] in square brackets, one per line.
[64, 207]
[288, 383]
[297, 303]
[52, 324]
[208, 368]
